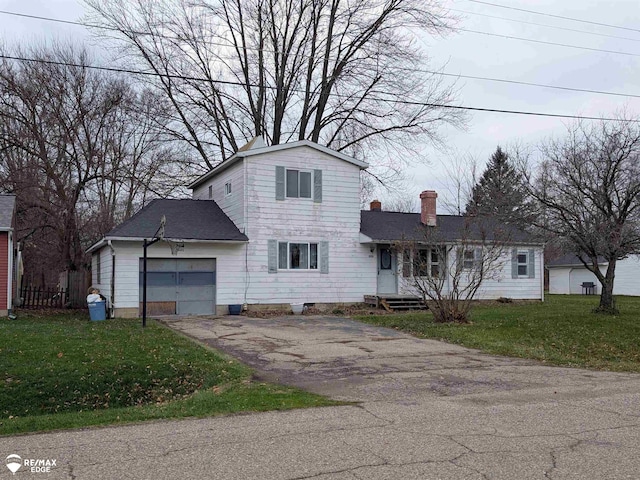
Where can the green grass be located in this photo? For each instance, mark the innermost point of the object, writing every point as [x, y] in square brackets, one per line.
[560, 331]
[65, 372]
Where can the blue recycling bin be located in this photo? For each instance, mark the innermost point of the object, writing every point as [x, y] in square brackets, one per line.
[97, 311]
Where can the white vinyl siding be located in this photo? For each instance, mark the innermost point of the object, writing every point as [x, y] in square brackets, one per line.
[500, 284]
[233, 203]
[332, 222]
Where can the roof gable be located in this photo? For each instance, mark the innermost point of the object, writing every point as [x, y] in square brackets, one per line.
[255, 149]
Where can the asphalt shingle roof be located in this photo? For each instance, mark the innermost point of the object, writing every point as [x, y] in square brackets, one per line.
[394, 226]
[186, 220]
[7, 207]
[570, 260]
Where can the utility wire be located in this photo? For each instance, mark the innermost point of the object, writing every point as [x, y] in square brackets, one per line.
[545, 25]
[407, 69]
[573, 19]
[543, 42]
[387, 100]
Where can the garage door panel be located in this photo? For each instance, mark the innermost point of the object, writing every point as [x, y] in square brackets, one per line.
[160, 279]
[196, 293]
[196, 264]
[197, 278]
[161, 294]
[159, 265]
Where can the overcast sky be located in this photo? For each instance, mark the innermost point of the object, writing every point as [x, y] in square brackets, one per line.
[471, 54]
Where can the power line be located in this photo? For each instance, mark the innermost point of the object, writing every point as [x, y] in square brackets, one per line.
[546, 25]
[543, 42]
[387, 100]
[530, 84]
[573, 19]
[415, 70]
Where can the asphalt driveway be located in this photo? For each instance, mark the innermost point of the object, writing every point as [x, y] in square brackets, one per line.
[352, 361]
[426, 410]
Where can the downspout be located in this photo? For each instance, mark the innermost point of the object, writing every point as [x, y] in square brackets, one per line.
[10, 269]
[542, 273]
[245, 195]
[113, 280]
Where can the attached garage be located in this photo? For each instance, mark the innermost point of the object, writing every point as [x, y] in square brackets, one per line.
[180, 281]
[180, 286]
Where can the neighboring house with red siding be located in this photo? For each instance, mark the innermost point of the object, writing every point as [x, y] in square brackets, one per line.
[7, 254]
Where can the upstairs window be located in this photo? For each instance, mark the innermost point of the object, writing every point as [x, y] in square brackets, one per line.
[298, 184]
[227, 189]
[210, 192]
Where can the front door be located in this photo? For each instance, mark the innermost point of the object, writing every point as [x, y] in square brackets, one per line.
[387, 271]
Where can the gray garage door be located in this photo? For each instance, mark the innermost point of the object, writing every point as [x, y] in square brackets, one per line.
[180, 286]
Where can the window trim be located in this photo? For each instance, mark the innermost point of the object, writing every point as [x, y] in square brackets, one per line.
[300, 242]
[520, 264]
[227, 188]
[298, 176]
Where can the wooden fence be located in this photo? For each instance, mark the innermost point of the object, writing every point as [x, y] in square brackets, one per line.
[75, 284]
[41, 297]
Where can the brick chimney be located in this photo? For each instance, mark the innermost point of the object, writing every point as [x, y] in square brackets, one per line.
[428, 208]
[375, 206]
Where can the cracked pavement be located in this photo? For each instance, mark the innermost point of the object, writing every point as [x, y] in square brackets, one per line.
[425, 410]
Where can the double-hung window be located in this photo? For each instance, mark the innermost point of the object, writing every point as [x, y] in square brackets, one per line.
[297, 256]
[426, 262]
[434, 263]
[298, 184]
[523, 264]
[227, 189]
[468, 259]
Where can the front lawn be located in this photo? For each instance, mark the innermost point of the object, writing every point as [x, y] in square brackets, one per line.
[63, 371]
[560, 331]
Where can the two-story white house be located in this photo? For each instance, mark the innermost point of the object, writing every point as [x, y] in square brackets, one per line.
[271, 226]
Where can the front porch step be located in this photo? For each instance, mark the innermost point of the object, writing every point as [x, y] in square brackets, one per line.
[396, 302]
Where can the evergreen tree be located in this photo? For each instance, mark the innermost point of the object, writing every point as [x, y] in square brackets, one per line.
[498, 193]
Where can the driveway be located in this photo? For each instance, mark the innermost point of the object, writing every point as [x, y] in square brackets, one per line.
[352, 361]
[426, 410]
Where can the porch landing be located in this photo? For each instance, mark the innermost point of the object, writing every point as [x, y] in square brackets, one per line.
[396, 302]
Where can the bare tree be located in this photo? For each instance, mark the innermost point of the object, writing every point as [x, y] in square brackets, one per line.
[461, 174]
[78, 152]
[340, 74]
[588, 193]
[448, 273]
